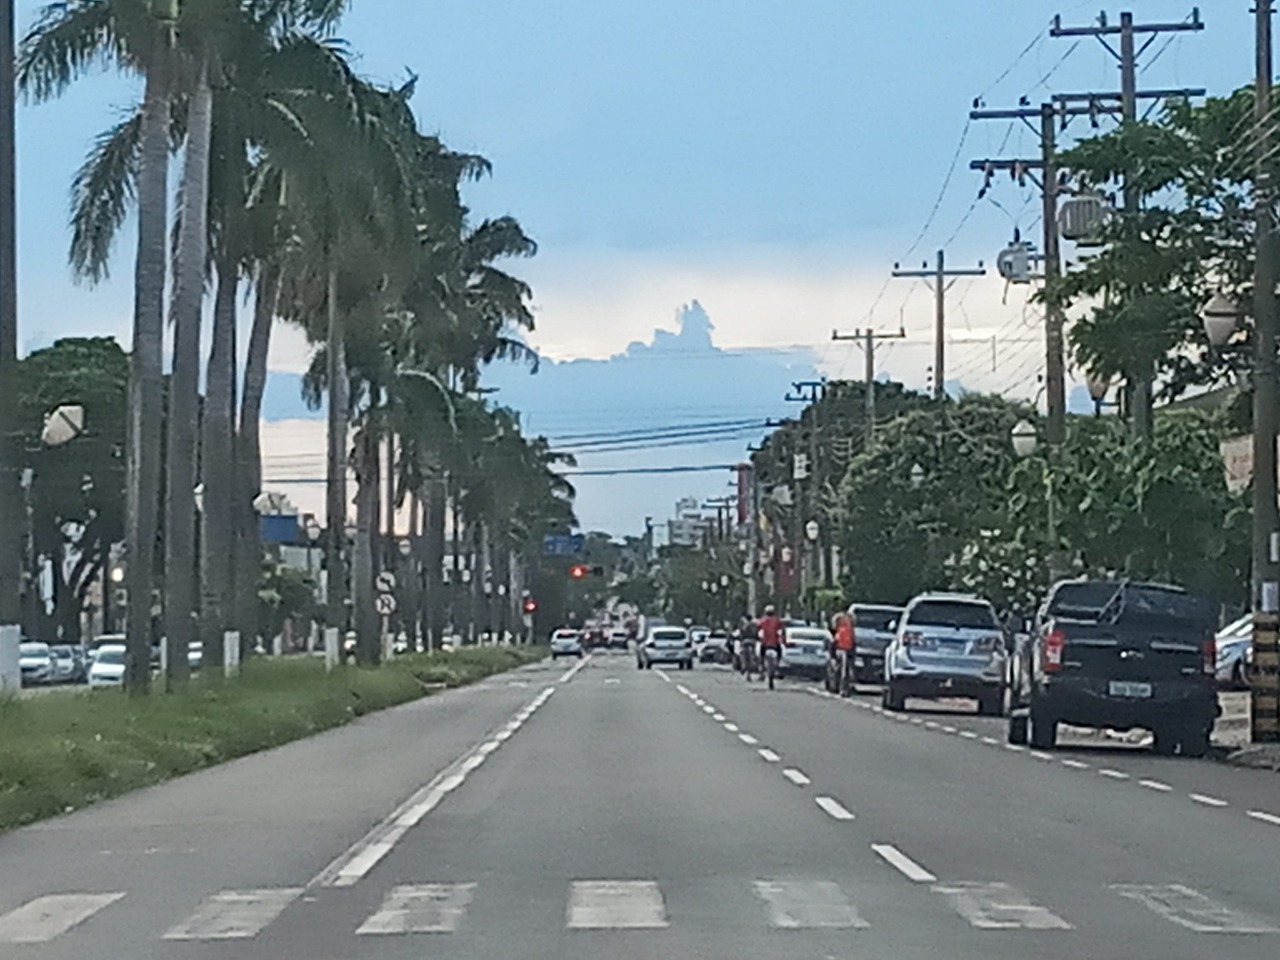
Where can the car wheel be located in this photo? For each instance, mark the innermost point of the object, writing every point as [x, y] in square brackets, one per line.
[1164, 742]
[1044, 730]
[893, 698]
[1195, 742]
[1018, 731]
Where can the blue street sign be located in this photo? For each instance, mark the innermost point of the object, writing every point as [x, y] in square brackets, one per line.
[563, 544]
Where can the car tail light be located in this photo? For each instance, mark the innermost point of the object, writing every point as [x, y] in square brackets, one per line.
[913, 639]
[1210, 651]
[986, 644]
[1055, 642]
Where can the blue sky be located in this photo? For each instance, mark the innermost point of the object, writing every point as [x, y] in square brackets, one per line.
[770, 160]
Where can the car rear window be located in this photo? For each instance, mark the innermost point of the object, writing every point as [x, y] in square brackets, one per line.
[668, 636]
[880, 619]
[806, 636]
[1119, 600]
[566, 635]
[952, 613]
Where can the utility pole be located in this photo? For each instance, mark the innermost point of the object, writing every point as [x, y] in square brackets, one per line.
[1265, 686]
[1127, 57]
[810, 393]
[867, 339]
[10, 505]
[940, 276]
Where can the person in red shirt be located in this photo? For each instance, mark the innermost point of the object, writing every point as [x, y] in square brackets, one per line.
[844, 646]
[770, 632]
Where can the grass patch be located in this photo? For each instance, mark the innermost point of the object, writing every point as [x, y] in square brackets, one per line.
[64, 751]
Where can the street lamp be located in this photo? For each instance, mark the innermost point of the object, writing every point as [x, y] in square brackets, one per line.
[405, 546]
[724, 579]
[917, 475]
[811, 531]
[1220, 318]
[1024, 439]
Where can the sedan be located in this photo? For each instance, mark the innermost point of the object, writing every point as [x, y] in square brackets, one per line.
[64, 664]
[804, 652]
[107, 669]
[666, 645]
[36, 662]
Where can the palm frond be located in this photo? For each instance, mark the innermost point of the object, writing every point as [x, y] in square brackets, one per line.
[102, 192]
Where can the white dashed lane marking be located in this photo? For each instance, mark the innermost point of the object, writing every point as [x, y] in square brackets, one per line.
[1270, 818]
[1155, 785]
[768, 756]
[902, 863]
[1208, 801]
[731, 727]
[1075, 764]
[796, 777]
[833, 808]
[748, 739]
[1114, 774]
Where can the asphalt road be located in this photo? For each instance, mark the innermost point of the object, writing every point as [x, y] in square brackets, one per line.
[601, 811]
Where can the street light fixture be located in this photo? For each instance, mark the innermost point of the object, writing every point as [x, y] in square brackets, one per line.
[917, 475]
[1221, 318]
[1024, 439]
[724, 579]
[405, 546]
[811, 530]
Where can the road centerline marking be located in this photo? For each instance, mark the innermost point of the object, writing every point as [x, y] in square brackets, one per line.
[768, 755]
[1207, 800]
[1155, 785]
[748, 739]
[1265, 817]
[1113, 774]
[834, 808]
[902, 863]
[796, 777]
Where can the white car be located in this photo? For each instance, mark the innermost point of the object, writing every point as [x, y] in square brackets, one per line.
[947, 645]
[36, 662]
[566, 643]
[107, 668]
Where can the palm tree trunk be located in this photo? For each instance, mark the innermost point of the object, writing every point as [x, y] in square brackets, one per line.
[368, 635]
[217, 463]
[433, 595]
[188, 299]
[336, 466]
[146, 377]
[249, 454]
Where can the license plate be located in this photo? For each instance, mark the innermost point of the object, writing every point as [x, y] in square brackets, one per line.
[1124, 688]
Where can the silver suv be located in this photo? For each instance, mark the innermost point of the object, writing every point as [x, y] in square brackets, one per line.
[947, 645]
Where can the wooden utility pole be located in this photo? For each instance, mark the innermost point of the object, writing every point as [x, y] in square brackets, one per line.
[942, 279]
[867, 340]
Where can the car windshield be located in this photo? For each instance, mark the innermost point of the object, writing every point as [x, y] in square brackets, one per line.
[109, 657]
[34, 650]
[952, 613]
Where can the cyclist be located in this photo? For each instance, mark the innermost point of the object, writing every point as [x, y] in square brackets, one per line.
[844, 647]
[770, 630]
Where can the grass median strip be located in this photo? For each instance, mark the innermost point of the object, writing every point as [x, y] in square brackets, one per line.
[58, 754]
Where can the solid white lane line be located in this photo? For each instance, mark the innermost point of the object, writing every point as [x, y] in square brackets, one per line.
[807, 904]
[1114, 774]
[998, 906]
[732, 727]
[834, 808]
[1191, 909]
[991, 741]
[796, 777]
[1208, 801]
[40, 920]
[351, 866]
[768, 755]
[422, 908]
[1075, 764]
[615, 905]
[748, 739]
[234, 915]
[902, 863]
[718, 717]
[1155, 785]
[1265, 817]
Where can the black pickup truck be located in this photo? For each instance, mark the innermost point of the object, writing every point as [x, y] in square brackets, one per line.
[1118, 655]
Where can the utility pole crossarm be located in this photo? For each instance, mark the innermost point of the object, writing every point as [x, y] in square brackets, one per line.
[1106, 30]
[940, 274]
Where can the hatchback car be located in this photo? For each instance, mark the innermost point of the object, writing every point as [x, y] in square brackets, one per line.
[804, 652]
[947, 645]
[666, 645]
[37, 663]
[566, 643]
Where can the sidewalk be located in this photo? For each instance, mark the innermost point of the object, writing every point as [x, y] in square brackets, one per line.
[1232, 732]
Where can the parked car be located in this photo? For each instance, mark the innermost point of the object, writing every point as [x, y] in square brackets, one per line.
[566, 642]
[666, 645]
[619, 640]
[947, 645]
[36, 663]
[64, 663]
[1234, 644]
[1118, 655]
[804, 652]
[874, 631]
[107, 667]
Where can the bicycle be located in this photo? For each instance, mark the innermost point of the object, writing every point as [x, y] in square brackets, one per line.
[770, 664]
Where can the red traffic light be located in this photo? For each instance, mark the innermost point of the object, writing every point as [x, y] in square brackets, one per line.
[530, 605]
[579, 571]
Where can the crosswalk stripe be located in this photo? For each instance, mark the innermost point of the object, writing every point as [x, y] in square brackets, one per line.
[615, 905]
[998, 906]
[422, 908]
[805, 904]
[44, 918]
[1191, 909]
[234, 914]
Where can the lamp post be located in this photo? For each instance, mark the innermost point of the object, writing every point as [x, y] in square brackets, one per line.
[408, 581]
[917, 476]
[1025, 441]
[314, 532]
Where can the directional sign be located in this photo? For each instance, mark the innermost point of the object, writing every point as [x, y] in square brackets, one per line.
[385, 604]
[386, 581]
[563, 544]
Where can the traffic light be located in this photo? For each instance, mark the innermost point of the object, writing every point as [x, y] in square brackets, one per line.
[530, 605]
[579, 571]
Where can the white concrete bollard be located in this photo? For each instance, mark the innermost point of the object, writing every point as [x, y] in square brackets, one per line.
[231, 653]
[10, 660]
[331, 651]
